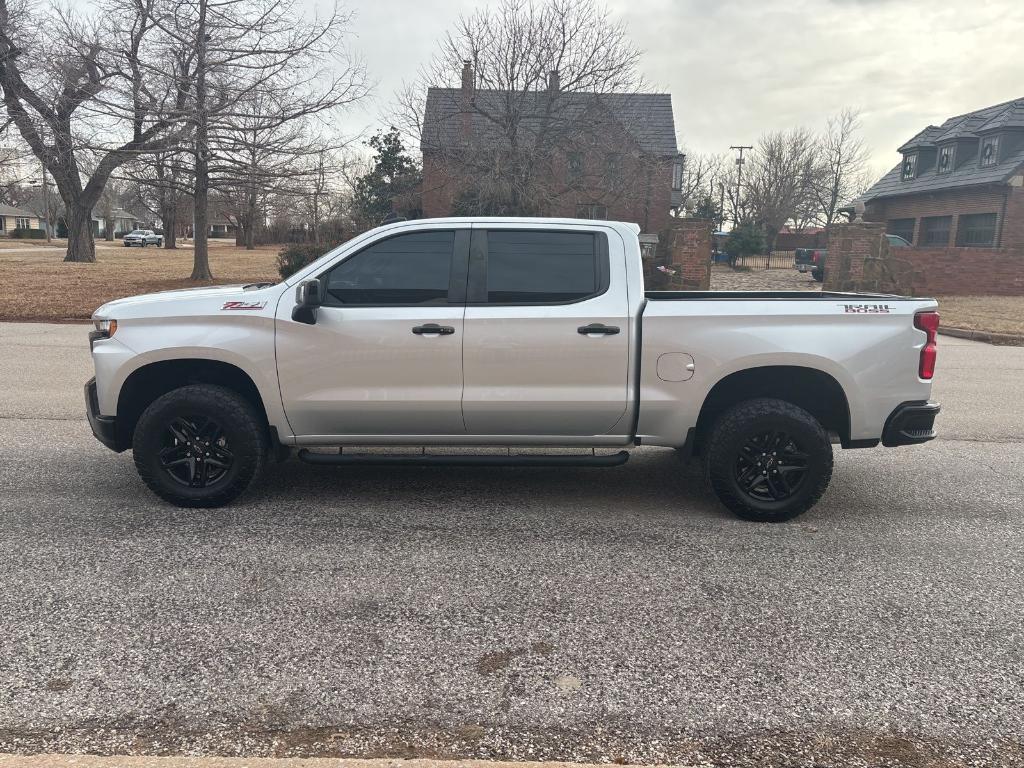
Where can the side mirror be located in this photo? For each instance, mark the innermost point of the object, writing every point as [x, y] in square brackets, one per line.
[308, 297]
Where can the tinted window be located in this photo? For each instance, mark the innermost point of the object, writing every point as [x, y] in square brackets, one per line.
[533, 267]
[407, 269]
[977, 229]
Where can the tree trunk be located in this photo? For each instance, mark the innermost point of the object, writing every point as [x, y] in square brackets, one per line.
[201, 260]
[108, 229]
[250, 231]
[169, 215]
[81, 247]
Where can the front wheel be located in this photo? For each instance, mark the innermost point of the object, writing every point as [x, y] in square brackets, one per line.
[199, 446]
[768, 460]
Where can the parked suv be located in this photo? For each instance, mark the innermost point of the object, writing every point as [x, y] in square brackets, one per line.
[142, 238]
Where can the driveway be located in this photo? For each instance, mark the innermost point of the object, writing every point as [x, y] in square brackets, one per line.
[573, 614]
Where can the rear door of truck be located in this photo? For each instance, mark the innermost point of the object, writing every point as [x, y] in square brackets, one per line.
[546, 348]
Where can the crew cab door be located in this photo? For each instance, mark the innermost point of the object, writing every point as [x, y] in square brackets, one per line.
[546, 349]
[384, 356]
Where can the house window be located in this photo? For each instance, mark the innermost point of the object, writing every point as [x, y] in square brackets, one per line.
[935, 230]
[22, 223]
[947, 155]
[2, 222]
[677, 175]
[909, 167]
[575, 166]
[612, 167]
[591, 211]
[990, 151]
[902, 227]
[977, 229]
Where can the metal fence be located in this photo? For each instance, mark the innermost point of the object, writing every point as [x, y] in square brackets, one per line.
[777, 260]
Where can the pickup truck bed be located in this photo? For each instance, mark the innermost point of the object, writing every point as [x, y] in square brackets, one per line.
[506, 332]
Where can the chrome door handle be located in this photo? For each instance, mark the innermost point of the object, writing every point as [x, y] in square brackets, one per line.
[607, 330]
[433, 329]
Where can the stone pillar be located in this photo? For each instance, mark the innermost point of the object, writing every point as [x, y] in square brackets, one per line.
[684, 253]
[850, 245]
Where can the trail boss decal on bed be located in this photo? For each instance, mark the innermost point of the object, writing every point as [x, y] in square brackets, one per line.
[866, 309]
[243, 305]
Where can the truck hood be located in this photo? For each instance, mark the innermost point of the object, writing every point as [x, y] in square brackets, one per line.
[184, 301]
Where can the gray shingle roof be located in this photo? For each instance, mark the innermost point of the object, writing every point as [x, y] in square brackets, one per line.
[9, 210]
[647, 117]
[1009, 114]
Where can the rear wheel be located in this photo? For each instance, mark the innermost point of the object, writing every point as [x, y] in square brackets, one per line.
[199, 446]
[768, 460]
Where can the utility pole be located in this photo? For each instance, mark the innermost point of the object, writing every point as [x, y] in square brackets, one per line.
[739, 179]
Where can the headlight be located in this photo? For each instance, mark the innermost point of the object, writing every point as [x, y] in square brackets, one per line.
[104, 328]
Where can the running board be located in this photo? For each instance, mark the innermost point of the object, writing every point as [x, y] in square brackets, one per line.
[493, 460]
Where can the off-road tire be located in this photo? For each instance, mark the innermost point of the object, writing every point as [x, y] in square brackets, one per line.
[732, 431]
[243, 431]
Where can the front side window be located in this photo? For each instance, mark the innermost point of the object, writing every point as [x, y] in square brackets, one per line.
[537, 267]
[947, 155]
[909, 166]
[977, 229]
[990, 151]
[403, 270]
[902, 228]
[935, 230]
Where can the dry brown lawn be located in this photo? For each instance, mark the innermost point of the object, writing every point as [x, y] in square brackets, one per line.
[995, 314]
[35, 283]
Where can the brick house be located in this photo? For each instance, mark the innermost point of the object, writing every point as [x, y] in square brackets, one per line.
[584, 155]
[960, 184]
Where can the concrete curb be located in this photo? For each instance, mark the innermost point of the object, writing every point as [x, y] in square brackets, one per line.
[94, 761]
[1002, 339]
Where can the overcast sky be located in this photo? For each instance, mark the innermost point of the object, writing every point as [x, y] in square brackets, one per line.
[738, 68]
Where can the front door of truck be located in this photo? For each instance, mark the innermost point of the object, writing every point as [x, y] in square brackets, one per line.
[384, 356]
[546, 348]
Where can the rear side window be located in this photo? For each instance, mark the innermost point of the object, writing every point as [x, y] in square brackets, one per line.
[403, 270]
[538, 267]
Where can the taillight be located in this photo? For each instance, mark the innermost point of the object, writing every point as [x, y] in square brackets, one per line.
[814, 256]
[929, 323]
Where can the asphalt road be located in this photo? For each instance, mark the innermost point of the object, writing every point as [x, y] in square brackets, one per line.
[595, 615]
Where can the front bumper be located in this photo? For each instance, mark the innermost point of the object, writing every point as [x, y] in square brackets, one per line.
[910, 424]
[104, 428]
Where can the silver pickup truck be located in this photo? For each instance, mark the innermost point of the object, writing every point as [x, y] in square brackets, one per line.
[520, 333]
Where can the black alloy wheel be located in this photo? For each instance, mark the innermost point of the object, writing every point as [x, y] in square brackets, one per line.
[196, 452]
[770, 466]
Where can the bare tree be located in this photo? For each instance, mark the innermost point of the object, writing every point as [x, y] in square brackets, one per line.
[842, 166]
[248, 55]
[778, 180]
[84, 92]
[537, 77]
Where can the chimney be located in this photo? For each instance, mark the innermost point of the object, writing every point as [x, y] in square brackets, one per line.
[467, 80]
[554, 83]
[466, 127]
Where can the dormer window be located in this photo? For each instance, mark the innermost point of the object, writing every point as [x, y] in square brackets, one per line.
[947, 158]
[909, 166]
[989, 151]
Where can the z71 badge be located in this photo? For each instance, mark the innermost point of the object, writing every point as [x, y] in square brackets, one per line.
[866, 309]
[244, 305]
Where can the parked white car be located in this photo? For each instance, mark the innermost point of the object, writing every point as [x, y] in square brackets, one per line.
[514, 333]
[142, 238]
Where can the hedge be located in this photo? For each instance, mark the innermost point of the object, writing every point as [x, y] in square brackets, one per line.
[293, 258]
[28, 234]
